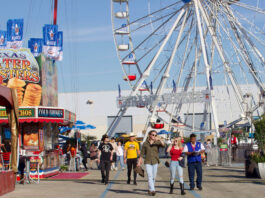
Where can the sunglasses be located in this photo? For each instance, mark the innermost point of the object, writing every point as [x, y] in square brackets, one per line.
[153, 135]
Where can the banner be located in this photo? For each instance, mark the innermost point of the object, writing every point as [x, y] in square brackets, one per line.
[20, 70]
[3, 39]
[53, 42]
[15, 33]
[35, 45]
[60, 45]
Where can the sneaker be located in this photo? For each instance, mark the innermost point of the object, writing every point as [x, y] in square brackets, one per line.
[153, 193]
[200, 188]
[116, 168]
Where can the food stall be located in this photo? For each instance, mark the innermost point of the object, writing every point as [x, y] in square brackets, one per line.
[35, 80]
[39, 134]
[7, 176]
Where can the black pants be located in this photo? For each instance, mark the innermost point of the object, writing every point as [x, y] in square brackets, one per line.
[105, 167]
[131, 163]
[84, 161]
[191, 169]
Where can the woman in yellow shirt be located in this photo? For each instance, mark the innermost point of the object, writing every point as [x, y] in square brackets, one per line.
[131, 152]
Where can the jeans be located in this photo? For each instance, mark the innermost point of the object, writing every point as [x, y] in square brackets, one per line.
[120, 159]
[131, 163]
[174, 165]
[84, 161]
[151, 174]
[105, 167]
[191, 169]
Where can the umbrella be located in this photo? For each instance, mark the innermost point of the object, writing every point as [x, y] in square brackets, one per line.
[79, 122]
[164, 132]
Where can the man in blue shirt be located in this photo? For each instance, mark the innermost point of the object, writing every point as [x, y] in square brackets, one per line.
[193, 150]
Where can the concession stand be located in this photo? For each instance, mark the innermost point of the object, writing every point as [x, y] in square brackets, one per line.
[39, 129]
[35, 81]
[7, 175]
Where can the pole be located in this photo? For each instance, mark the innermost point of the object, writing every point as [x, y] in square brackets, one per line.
[55, 12]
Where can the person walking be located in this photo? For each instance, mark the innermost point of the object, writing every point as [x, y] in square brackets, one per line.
[131, 152]
[105, 154]
[93, 154]
[177, 161]
[193, 150]
[150, 151]
[114, 160]
[233, 142]
[83, 150]
[119, 153]
[208, 147]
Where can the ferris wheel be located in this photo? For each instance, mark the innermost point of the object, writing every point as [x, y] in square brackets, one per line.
[178, 56]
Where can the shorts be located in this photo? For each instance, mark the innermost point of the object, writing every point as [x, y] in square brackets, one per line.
[93, 158]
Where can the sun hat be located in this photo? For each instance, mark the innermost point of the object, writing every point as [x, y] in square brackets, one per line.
[132, 135]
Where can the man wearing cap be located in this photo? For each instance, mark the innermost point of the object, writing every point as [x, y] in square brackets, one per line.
[131, 151]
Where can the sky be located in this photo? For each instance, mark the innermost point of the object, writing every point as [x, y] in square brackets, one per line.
[90, 61]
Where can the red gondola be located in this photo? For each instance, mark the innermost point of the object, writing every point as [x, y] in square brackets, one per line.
[157, 125]
[130, 77]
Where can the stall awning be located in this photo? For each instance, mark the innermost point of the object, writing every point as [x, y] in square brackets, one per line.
[41, 114]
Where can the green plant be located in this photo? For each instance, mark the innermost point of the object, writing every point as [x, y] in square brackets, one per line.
[258, 157]
[260, 133]
[64, 168]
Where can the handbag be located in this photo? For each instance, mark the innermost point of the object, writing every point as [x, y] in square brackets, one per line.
[182, 162]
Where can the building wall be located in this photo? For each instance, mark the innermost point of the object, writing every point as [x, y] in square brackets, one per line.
[104, 104]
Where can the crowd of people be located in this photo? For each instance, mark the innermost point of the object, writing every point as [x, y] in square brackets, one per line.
[111, 154]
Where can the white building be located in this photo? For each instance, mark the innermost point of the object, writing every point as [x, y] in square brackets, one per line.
[104, 105]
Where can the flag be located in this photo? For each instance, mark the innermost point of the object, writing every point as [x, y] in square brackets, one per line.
[211, 82]
[35, 45]
[15, 33]
[202, 126]
[174, 87]
[119, 89]
[2, 39]
[151, 87]
[52, 42]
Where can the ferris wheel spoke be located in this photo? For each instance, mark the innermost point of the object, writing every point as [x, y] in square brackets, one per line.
[155, 12]
[152, 22]
[169, 65]
[249, 7]
[219, 48]
[150, 35]
[246, 55]
[250, 42]
[153, 61]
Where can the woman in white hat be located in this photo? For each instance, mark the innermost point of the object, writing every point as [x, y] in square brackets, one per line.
[131, 152]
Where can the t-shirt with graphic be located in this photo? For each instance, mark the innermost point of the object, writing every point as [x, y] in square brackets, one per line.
[131, 148]
[105, 149]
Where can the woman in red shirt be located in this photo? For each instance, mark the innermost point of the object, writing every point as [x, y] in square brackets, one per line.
[175, 151]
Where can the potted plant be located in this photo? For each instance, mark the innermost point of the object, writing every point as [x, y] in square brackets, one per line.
[259, 157]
